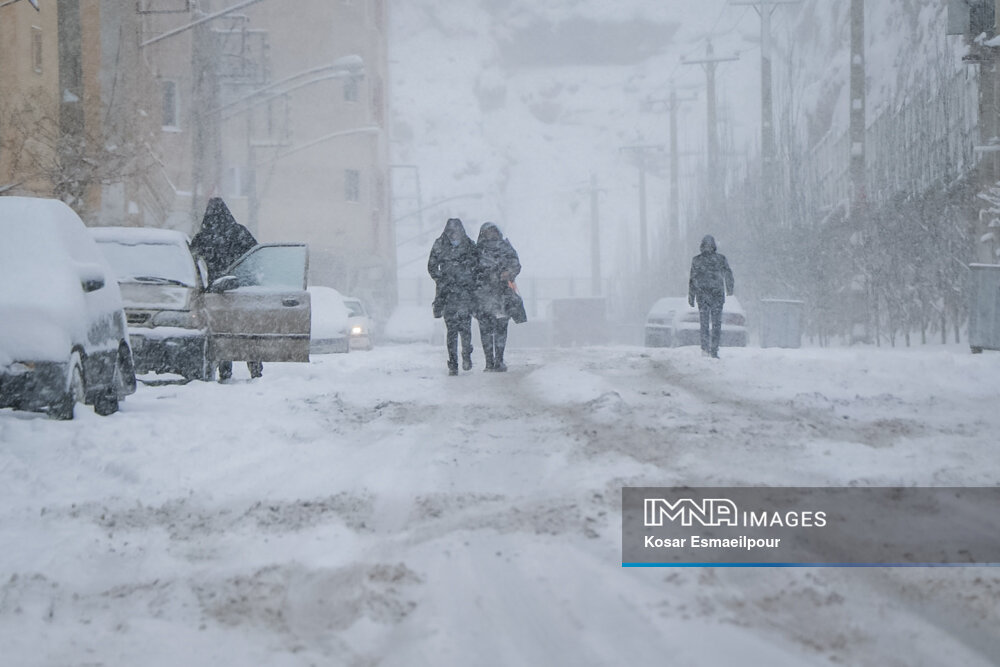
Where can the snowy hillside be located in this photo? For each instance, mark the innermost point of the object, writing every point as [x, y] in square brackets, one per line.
[524, 101]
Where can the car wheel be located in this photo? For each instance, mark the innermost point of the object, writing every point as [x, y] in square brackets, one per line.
[73, 393]
[106, 403]
[129, 383]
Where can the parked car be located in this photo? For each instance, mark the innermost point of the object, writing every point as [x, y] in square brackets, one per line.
[63, 339]
[330, 321]
[671, 322]
[178, 323]
[362, 336]
[163, 292]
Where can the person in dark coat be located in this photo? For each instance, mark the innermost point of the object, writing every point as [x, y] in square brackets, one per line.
[496, 267]
[220, 242]
[711, 280]
[452, 265]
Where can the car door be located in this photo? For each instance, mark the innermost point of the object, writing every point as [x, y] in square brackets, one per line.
[260, 310]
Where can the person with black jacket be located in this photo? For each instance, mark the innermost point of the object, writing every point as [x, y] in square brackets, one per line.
[220, 242]
[452, 265]
[496, 268]
[711, 280]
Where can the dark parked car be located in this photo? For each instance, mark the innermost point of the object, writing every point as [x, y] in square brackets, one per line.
[258, 311]
[673, 323]
[163, 292]
[63, 337]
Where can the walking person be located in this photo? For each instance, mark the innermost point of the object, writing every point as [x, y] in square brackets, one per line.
[452, 265]
[220, 242]
[710, 282]
[496, 268]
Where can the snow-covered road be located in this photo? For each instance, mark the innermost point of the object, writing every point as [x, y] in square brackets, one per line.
[367, 509]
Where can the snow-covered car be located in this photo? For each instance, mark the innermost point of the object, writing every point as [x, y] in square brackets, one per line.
[330, 320]
[63, 335]
[359, 324]
[671, 322]
[258, 311]
[163, 291]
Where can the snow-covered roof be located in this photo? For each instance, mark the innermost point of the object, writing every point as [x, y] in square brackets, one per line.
[137, 235]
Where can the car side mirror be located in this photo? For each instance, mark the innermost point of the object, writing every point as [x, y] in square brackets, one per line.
[224, 284]
[91, 277]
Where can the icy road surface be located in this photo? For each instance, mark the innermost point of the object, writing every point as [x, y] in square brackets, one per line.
[366, 509]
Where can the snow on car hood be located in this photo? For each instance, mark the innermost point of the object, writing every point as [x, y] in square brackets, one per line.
[155, 297]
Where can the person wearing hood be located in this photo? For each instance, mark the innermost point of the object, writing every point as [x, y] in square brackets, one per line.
[220, 242]
[711, 280]
[452, 265]
[496, 268]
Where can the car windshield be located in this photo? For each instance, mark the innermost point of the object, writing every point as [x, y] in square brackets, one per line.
[144, 262]
[354, 307]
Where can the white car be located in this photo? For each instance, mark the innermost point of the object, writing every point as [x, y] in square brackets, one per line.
[673, 323]
[63, 336]
[359, 324]
[330, 320]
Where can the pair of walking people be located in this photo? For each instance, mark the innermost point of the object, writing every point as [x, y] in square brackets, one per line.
[474, 280]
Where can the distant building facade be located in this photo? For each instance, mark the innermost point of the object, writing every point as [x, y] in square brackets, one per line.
[73, 120]
[281, 110]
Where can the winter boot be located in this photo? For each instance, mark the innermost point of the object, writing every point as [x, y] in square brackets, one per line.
[499, 366]
[467, 361]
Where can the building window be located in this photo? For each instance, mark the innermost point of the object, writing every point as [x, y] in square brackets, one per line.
[36, 49]
[352, 185]
[171, 105]
[236, 182]
[351, 89]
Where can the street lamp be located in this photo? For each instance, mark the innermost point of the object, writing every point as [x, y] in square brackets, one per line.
[347, 66]
[34, 3]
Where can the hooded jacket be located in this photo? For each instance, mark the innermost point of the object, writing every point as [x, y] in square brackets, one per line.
[221, 240]
[711, 278]
[452, 265]
[496, 257]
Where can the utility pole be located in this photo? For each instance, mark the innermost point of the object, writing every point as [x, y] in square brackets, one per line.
[857, 124]
[672, 105]
[640, 152]
[595, 239]
[709, 63]
[768, 149]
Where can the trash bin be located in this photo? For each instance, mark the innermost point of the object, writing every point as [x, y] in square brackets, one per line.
[984, 307]
[781, 323]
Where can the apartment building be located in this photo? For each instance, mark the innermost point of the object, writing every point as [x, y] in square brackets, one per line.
[281, 109]
[74, 121]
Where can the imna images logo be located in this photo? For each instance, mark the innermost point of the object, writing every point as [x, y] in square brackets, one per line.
[708, 512]
[723, 512]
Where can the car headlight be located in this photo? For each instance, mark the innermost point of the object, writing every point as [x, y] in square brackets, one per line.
[184, 319]
[357, 330]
